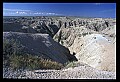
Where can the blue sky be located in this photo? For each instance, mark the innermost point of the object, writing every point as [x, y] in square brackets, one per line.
[65, 9]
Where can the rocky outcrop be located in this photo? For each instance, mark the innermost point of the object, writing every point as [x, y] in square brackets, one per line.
[40, 44]
[94, 47]
[110, 33]
[27, 29]
[91, 48]
[66, 36]
[32, 25]
[51, 25]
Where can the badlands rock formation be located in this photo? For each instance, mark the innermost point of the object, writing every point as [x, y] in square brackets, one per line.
[91, 46]
[62, 39]
[44, 25]
[41, 45]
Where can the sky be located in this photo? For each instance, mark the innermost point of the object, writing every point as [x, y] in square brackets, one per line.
[104, 10]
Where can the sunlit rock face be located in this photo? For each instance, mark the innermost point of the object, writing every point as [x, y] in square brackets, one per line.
[97, 52]
[92, 41]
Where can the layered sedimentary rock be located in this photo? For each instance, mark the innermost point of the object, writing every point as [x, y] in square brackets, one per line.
[94, 46]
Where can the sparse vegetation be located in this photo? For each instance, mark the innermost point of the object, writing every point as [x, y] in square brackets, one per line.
[84, 34]
[62, 42]
[11, 47]
[71, 64]
[14, 57]
[31, 62]
[56, 37]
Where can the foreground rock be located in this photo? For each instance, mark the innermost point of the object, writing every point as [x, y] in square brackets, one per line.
[40, 45]
[83, 71]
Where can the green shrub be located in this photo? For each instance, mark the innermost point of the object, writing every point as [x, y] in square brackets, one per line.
[62, 42]
[71, 64]
[84, 34]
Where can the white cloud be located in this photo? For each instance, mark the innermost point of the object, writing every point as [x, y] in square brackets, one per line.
[4, 9]
[45, 13]
[38, 13]
[26, 12]
[17, 12]
[97, 3]
[22, 13]
[50, 13]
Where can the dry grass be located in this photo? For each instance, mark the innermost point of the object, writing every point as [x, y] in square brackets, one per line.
[31, 62]
[15, 57]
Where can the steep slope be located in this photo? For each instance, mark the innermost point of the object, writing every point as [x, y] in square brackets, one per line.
[40, 44]
[66, 36]
[96, 48]
[110, 33]
[97, 52]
